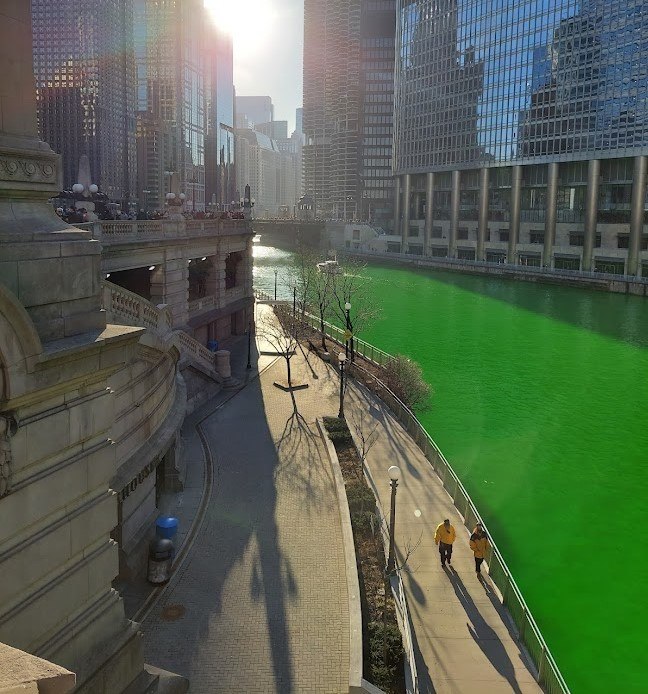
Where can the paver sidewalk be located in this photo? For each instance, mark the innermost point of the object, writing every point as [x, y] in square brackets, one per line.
[261, 602]
[460, 626]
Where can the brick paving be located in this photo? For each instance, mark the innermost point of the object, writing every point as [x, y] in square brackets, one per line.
[263, 588]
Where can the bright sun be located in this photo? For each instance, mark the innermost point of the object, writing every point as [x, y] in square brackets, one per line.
[248, 22]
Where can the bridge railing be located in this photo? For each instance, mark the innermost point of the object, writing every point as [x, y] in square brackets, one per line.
[549, 675]
[136, 231]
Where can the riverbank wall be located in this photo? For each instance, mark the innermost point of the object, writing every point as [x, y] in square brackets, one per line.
[617, 284]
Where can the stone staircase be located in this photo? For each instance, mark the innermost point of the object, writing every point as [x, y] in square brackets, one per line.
[196, 361]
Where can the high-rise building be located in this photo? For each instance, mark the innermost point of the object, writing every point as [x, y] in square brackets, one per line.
[220, 175]
[253, 110]
[521, 132]
[348, 98]
[84, 71]
[177, 57]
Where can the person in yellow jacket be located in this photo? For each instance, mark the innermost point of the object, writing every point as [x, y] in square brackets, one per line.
[444, 537]
[479, 545]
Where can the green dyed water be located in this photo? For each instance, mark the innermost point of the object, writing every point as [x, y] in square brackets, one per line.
[541, 406]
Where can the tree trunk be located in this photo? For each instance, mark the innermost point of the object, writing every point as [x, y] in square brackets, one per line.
[322, 329]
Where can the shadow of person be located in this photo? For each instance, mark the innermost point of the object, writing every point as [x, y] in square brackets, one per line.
[484, 635]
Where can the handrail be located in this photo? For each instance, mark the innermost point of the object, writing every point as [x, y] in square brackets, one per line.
[548, 673]
[136, 310]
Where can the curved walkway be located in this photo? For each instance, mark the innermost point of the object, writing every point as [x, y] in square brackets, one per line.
[260, 604]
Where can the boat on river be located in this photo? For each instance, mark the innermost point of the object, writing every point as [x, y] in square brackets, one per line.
[330, 267]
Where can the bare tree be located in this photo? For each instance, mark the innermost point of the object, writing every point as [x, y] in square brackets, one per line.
[350, 287]
[366, 431]
[303, 275]
[321, 296]
[283, 331]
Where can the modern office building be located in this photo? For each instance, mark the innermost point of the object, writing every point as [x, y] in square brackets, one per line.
[348, 100]
[84, 72]
[172, 52]
[220, 174]
[521, 132]
[253, 110]
[270, 172]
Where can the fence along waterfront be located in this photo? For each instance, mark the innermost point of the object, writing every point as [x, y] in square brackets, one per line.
[549, 675]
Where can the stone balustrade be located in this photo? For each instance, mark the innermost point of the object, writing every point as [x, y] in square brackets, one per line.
[122, 305]
[138, 231]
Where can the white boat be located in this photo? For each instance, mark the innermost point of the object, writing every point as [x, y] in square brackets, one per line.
[330, 266]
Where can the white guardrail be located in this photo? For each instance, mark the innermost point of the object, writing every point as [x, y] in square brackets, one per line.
[549, 675]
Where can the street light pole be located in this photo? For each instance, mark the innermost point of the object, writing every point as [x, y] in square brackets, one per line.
[394, 475]
[347, 308]
[249, 363]
[342, 359]
[294, 301]
[275, 272]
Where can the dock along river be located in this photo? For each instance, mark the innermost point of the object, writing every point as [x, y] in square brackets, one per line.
[540, 405]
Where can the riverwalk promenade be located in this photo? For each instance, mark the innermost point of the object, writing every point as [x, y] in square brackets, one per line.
[258, 601]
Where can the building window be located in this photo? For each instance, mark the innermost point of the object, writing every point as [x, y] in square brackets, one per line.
[504, 236]
[572, 263]
[536, 237]
[495, 257]
[439, 251]
[437, 232]
[530, 260]
[614, 267]
[356, 234]
[462, 233]
[466, 254]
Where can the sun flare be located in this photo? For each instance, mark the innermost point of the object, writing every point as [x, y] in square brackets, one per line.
[248, 22]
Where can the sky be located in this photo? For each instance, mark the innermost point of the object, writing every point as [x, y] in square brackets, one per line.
[268, 43]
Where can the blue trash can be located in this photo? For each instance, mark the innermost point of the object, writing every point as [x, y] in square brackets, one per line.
[166, 527]
[212, 345]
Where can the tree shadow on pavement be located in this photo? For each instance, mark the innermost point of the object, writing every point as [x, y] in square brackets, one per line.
[235, 580]
[483, 634]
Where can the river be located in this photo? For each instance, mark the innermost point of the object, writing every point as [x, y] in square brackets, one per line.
[541, 406]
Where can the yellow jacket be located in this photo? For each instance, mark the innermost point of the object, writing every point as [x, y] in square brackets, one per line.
[479, 545]
[443, 535]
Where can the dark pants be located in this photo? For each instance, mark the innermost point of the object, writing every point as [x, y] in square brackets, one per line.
[478, 563]
[446, 553]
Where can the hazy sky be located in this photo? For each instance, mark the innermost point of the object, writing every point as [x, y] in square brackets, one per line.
[268, 56]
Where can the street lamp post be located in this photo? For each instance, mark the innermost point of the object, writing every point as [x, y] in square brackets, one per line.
[342, 360]
[249, 363]
[347, 309]
[394, 475]
[276, 272]
[294, 302]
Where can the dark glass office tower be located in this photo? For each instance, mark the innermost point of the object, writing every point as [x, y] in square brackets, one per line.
[220, 175]
[348, 99]
[170, 38]
[84, 71]
[521, 132]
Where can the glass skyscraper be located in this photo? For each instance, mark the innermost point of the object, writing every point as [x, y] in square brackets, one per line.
[348, 105]
[521, 131]
[84, 72]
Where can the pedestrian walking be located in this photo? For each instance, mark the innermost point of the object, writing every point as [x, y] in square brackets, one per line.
[444, 537]
[479, 545]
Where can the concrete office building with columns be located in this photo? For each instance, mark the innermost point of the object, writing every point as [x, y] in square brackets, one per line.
[521, 133]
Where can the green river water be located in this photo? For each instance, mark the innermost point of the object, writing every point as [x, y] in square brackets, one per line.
[541, 406]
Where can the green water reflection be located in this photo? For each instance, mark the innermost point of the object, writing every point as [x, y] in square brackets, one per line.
[540, 404]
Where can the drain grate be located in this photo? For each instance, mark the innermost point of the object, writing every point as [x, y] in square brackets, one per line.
[172, 612]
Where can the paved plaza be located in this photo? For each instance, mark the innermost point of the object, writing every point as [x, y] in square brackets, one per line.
[259, 603]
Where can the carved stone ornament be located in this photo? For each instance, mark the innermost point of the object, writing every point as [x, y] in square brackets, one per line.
[23, 168]
[8, 427]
